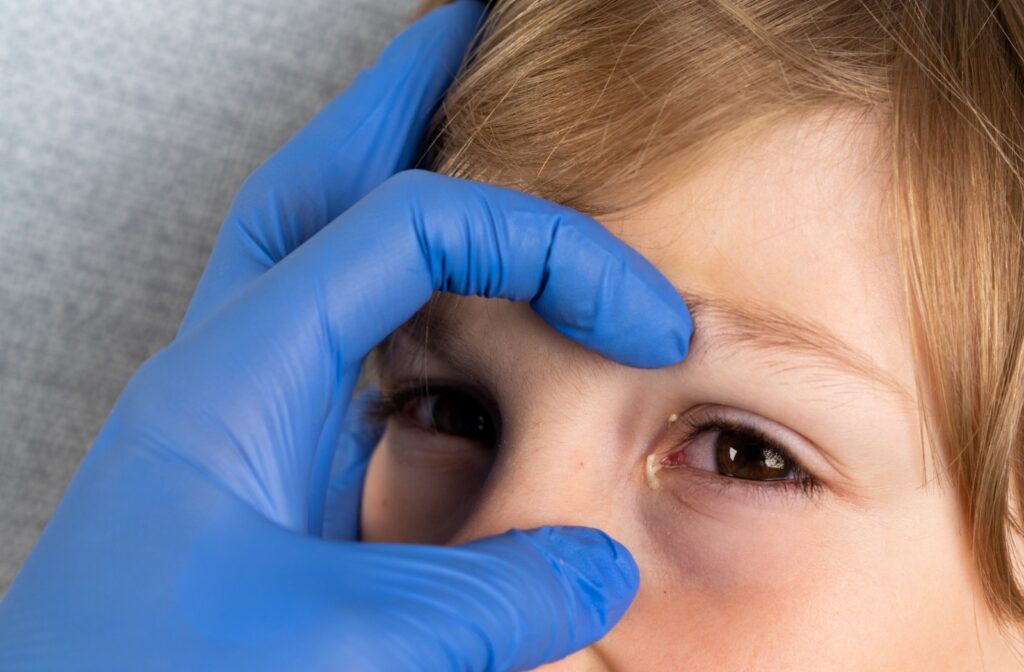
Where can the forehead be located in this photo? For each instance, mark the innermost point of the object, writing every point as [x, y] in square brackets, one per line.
[795, 216]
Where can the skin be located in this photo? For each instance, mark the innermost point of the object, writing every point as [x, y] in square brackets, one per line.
[869, 570]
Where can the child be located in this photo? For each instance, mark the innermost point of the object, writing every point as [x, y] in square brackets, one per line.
[830, 480]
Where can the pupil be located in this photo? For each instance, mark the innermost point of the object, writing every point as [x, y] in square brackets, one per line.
[740, 455]
[459, 415]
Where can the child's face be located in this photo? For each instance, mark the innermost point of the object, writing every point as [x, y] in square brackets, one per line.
[798, 524]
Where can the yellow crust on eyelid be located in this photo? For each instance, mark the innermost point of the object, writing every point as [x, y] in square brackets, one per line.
[651, 472]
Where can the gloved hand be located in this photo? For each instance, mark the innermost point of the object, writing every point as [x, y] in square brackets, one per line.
[188, 539]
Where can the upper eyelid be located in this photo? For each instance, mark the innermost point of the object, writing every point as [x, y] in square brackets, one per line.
[446, 351]
[714, 418]
[756, 432]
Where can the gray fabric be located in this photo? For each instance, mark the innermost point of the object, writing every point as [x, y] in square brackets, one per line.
[125, 128]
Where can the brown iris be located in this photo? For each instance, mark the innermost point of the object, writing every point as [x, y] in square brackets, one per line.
[741, 455]
[454, 413]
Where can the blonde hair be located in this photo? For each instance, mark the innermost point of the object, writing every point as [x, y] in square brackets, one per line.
[575, 99]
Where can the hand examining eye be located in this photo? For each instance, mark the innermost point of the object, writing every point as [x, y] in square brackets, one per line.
[191, 536]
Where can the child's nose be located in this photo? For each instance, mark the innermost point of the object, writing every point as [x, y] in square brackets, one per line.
[547, 483]
[582, 467]
[546, 480]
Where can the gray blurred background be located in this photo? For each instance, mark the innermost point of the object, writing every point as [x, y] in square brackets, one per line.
[125, 128]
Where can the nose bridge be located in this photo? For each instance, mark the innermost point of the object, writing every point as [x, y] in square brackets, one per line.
[541, 478]
[542, 482]
[555, 469]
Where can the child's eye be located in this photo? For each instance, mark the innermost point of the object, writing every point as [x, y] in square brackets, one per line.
[444, 410]
[734, 450]
[736, 453]
[453, 413]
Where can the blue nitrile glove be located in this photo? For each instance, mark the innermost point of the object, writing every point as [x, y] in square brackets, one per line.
[187, 539]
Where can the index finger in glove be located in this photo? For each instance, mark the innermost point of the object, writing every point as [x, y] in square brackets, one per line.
[421, 232]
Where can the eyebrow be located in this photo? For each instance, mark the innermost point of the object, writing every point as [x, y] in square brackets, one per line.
[729, 323]
[719, 323]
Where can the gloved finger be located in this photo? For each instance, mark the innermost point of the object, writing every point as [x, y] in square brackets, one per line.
[444, 234]
[369, 132]
[511, 602]
[522, 599]
[344, 496]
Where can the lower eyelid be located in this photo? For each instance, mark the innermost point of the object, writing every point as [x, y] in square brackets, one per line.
[687, 483]
[415, 446]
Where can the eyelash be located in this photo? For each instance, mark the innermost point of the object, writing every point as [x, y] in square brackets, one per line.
[388, 404]
[802, 485]
[392, 403]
